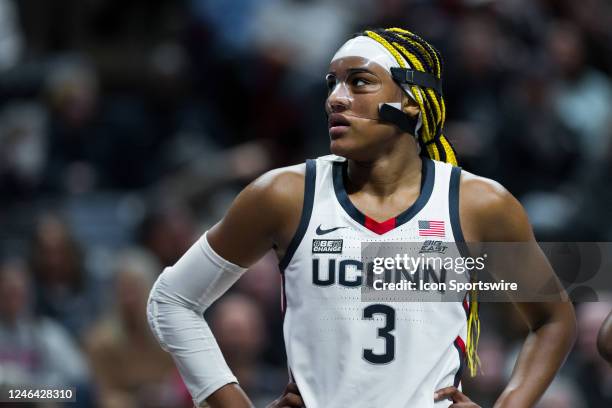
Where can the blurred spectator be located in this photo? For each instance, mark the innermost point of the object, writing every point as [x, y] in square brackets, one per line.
[562, 393]
[533, 138]
[473, 87]
[582, 95]
[77, 154]
[203, 168]
[33, 350]
[129, 367]
[11, 38]
[231, 22]
[23, 149]
[284, 32]
[262, 283]
[64, 289]
[168, 232]
[96, 141]
[238, 326]
[582, 98]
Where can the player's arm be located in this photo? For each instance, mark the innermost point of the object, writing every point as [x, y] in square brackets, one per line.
[604, 339]
[494, 215]
[262, 216]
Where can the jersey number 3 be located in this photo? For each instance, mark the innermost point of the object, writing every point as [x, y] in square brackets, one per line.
[383, 332]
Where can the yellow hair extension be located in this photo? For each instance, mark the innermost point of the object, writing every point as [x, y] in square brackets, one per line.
[433, 57]
[399, 30]
[450, 154]
[434, 99]
[424, 53]
[388, 46]
[434, 151]
[408, 36]
[473, 335]
[416, 64]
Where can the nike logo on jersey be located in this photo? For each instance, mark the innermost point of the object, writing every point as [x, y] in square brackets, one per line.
[321, 231]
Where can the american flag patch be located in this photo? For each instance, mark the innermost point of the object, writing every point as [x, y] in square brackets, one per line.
[431, 229]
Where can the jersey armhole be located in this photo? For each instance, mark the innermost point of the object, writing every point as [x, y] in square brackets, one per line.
[309, 190]
[453, 206]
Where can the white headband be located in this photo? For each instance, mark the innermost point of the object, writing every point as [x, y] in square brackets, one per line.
[370, 49]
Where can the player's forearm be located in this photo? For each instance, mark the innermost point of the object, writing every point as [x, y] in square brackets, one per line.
[229, 396]
[178, 299]
[541, 356]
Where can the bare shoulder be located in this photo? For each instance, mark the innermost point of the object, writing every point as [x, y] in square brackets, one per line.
[489, 212]
[276, 197]
[483, 194]
[280, 185]
[264, 215]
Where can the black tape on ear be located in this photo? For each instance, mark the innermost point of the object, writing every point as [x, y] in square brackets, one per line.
[388, 113]
[412, 77]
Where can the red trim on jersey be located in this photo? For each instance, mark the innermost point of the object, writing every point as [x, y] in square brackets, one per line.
[460, 346]
[380, 227]
[459, 342]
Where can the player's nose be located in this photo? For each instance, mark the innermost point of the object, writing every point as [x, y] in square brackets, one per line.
[338, 103]
[339, 99]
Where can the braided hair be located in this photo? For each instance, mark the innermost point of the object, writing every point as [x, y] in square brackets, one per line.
[422, 56]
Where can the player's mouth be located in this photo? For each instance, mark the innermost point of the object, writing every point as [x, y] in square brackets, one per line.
[337, 124]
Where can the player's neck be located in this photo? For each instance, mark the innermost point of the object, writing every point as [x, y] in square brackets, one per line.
[385, 175]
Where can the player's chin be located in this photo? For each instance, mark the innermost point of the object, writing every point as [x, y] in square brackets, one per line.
[343, 146]
[349, 149]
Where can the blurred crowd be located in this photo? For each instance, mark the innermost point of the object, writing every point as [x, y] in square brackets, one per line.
[126, 129]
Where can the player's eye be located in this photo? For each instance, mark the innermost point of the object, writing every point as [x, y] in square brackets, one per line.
[359, 82]
[330, 80]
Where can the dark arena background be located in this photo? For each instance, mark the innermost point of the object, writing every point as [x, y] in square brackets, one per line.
[127, 127]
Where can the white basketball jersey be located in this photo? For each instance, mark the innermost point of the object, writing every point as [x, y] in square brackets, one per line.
[341, 351]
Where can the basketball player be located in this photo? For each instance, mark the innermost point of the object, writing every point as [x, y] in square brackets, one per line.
[604, 339]
[391, 178]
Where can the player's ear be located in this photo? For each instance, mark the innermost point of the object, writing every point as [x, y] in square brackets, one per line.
[409, 106]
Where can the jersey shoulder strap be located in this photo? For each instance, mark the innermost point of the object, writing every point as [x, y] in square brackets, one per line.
[310, 179]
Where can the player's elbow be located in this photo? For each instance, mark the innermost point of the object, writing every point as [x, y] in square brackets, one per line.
[153, 310]
[568, 316]
[560, 321]
[163, 302]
